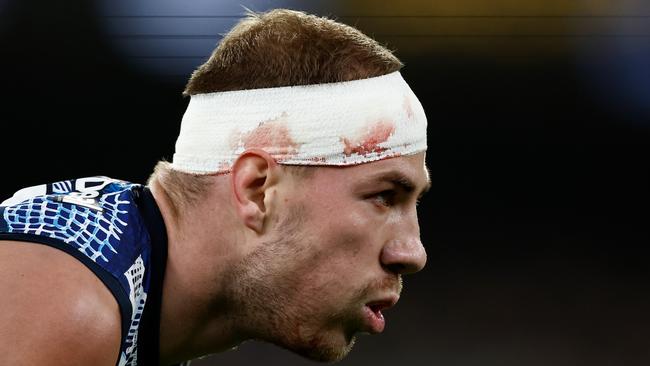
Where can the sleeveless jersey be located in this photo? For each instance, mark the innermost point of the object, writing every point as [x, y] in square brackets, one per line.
[115, 229]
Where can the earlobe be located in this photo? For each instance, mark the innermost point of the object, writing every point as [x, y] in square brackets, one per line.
[252, 175]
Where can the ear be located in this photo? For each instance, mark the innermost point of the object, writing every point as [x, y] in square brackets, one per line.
[253, 175]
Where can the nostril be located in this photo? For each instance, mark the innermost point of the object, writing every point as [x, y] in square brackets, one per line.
[396, 268]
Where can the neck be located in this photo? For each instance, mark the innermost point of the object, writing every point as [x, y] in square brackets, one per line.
[196, 318]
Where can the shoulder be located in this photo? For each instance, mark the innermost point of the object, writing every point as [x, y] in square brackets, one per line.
[55, 310]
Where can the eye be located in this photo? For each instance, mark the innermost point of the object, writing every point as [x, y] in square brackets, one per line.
[384, 198]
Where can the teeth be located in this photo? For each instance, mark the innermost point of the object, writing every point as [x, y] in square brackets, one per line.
[376, 309]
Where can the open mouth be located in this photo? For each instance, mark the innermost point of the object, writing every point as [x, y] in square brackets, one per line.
[377, 308]
[374, 317]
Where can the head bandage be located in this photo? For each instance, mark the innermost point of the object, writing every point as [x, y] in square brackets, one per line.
[338, 124]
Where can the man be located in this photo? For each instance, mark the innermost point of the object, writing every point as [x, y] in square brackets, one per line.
[288, 214]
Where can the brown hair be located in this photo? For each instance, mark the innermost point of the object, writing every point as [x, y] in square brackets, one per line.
[286, 47]
[277, 48]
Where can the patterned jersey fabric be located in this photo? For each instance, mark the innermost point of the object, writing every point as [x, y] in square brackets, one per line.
[97, 220]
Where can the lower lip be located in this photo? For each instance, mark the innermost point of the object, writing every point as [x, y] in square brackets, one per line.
[375, 321]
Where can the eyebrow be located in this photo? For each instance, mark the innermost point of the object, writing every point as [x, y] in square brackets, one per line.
[404, 182]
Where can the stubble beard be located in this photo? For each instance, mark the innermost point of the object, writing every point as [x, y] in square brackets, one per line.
[269, 305]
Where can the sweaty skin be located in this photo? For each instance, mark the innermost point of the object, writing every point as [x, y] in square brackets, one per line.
[303, 256]
[305, 261]
[55, 311]
[351, 237]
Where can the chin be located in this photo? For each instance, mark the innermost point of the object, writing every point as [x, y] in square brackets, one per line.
[322, 349]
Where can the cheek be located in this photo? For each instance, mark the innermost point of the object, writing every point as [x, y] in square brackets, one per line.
[343, 240]
[347, 245]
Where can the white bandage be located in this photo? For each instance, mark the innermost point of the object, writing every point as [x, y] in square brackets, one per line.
[343, 123]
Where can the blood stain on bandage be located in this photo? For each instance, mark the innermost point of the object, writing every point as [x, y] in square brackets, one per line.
[408, 108]
[224, 167]
[369, 142]
[272, 136]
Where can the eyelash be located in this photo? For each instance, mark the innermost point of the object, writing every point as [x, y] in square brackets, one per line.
[387, 198]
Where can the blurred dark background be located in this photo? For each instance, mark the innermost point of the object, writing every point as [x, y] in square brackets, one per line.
[539, 129]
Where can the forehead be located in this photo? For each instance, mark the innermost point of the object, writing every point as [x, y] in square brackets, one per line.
[411, 168]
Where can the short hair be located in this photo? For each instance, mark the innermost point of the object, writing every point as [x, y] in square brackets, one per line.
[286, 48]
[273, 49]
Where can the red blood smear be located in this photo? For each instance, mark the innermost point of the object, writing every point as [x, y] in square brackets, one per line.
[407, 107]
[272, 136]
[369, 142]
[318, 159]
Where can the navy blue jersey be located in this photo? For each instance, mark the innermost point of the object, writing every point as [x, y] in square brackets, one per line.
[114, 228]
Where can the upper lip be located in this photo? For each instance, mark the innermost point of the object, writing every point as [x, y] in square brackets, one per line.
[383, 303]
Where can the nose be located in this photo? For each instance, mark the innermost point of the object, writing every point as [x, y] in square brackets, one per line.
[404, 256]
